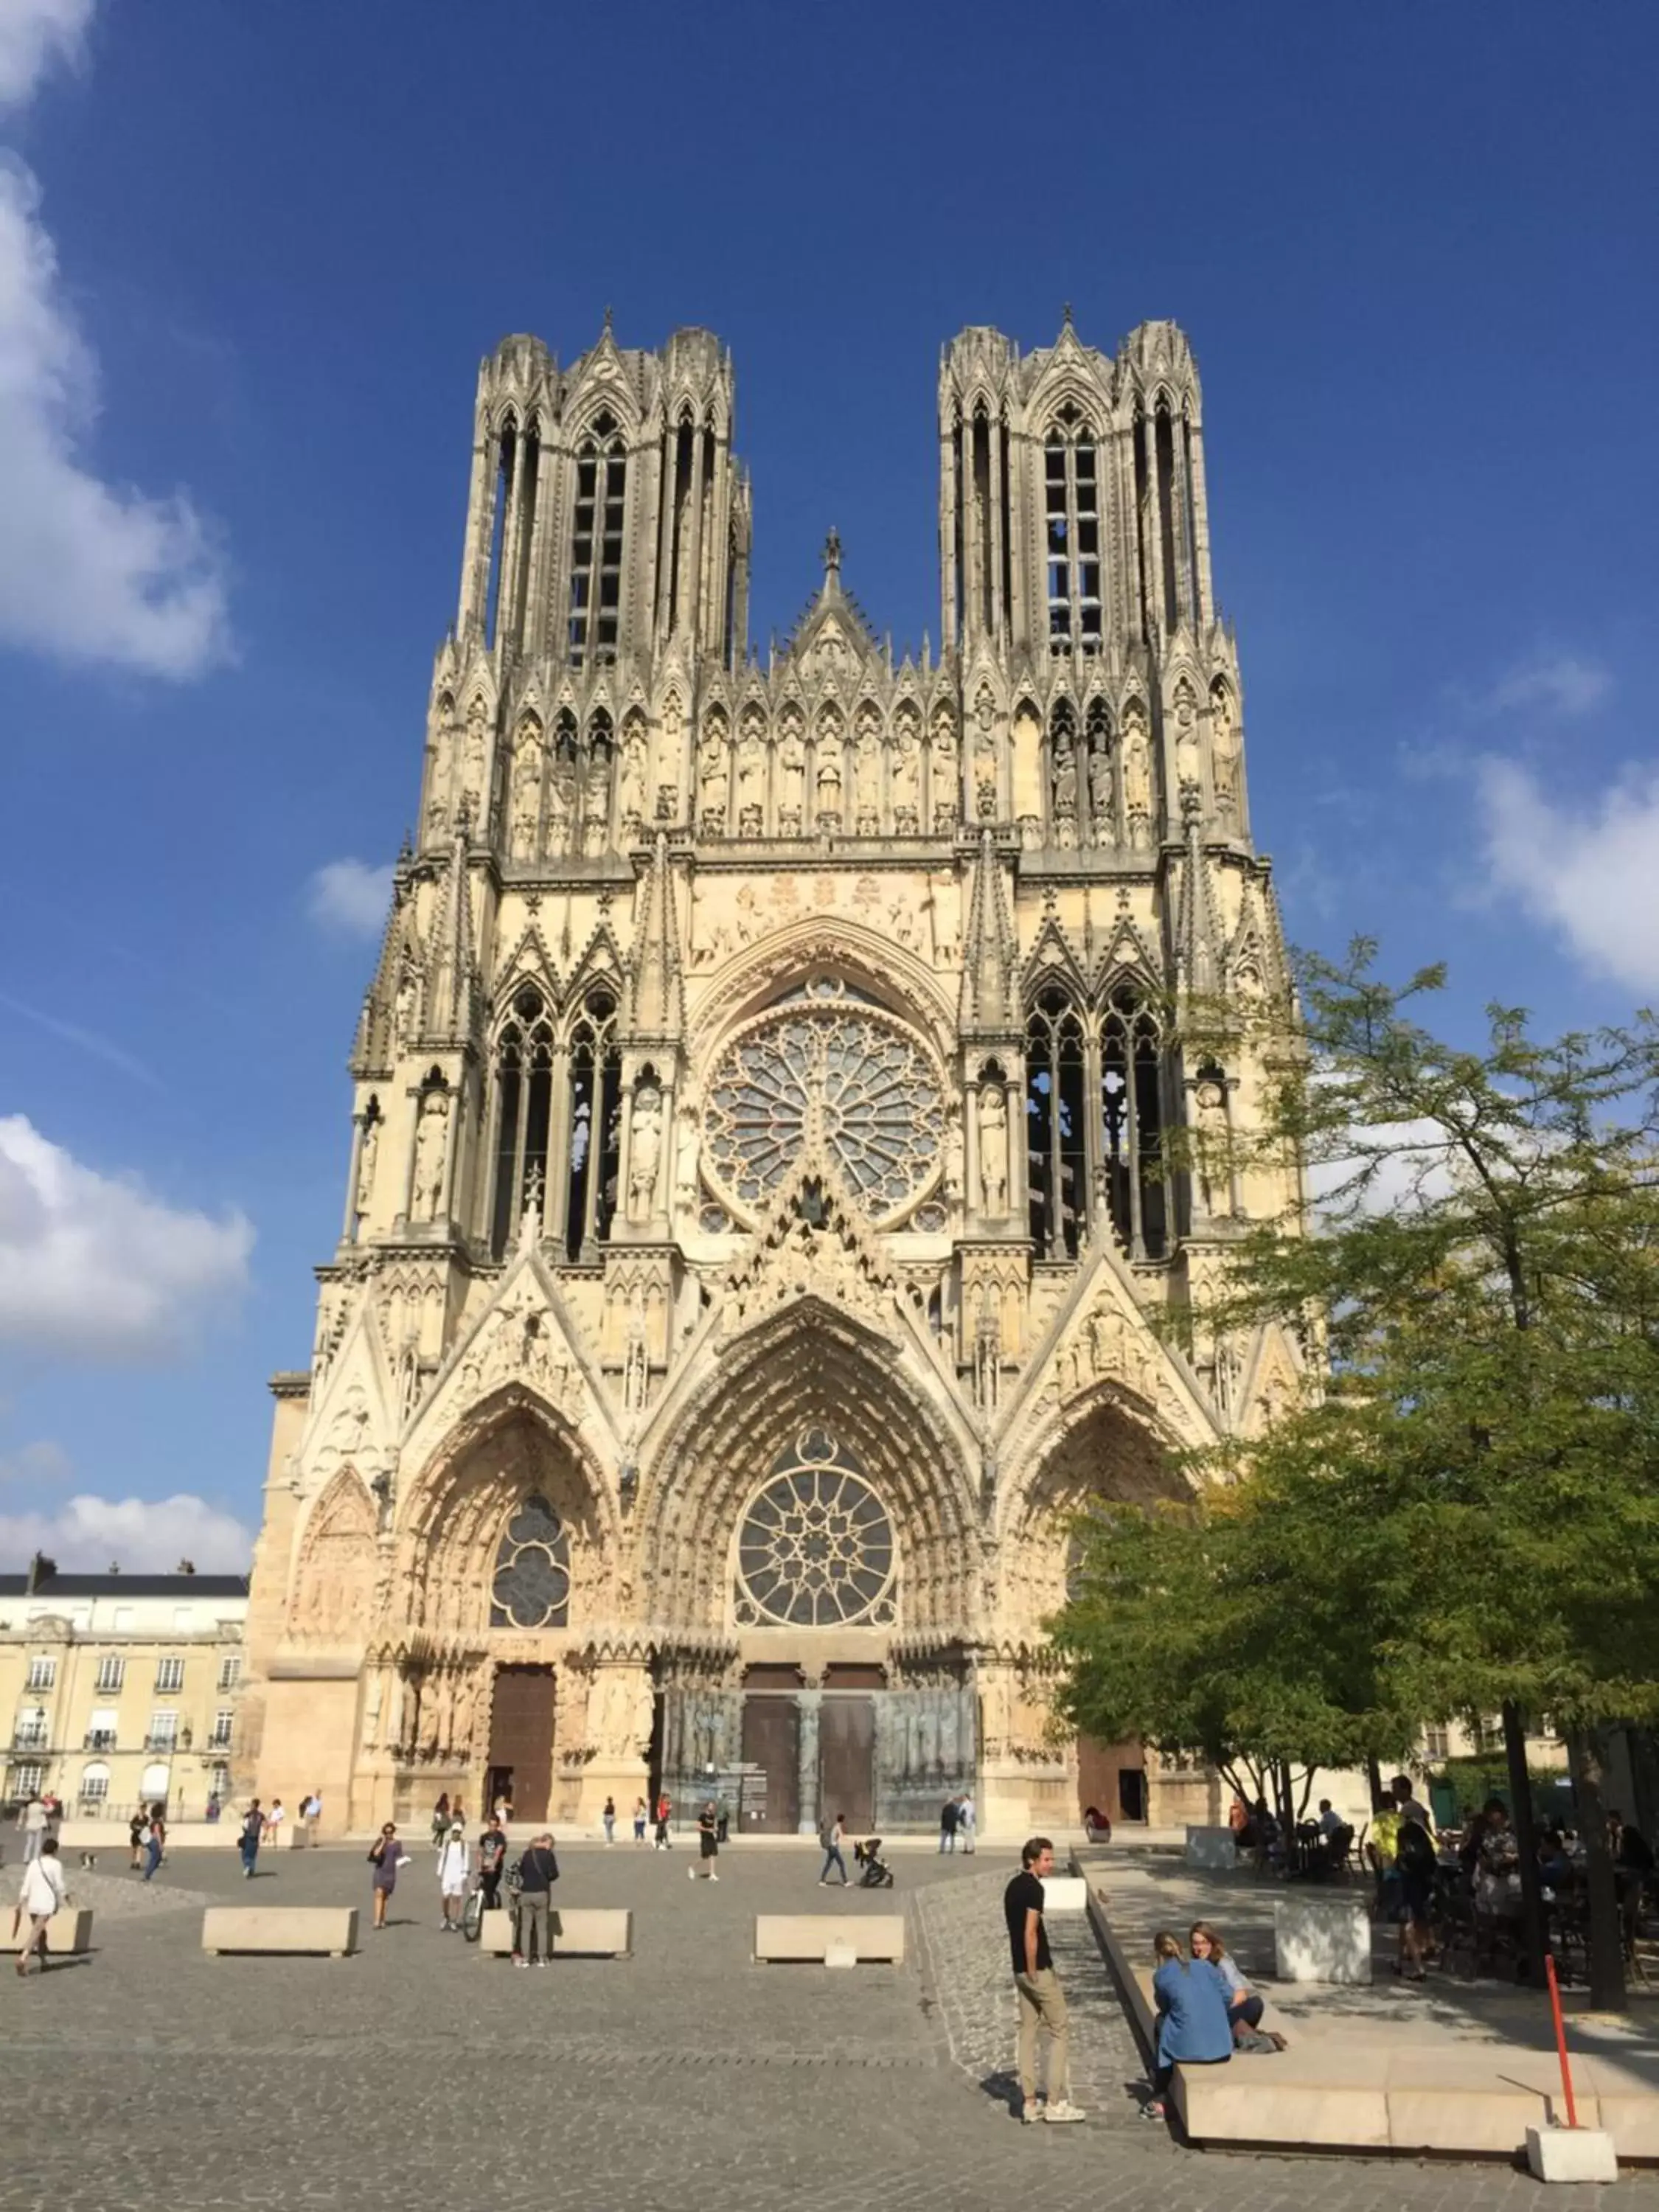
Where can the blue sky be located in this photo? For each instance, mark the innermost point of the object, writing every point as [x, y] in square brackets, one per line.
[249, 259]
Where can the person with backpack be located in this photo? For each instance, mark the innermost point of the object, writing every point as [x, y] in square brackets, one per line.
[538, 1871]
[253, 1829]
[947, 1826]
[832, 1834]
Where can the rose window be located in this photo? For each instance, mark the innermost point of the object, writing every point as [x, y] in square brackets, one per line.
[816, 1547]
[840, 1076]
[532, 1588]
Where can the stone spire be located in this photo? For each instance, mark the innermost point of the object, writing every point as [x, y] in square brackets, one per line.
[990, 998]
[1198, 933]
[657, 1008]
[452, 983]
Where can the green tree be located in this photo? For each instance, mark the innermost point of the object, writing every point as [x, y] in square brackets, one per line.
[1466, 1498]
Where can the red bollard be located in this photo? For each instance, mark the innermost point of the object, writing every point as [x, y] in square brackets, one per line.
[1560, 2038]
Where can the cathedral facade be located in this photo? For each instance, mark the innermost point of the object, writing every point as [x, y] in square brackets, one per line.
[774, 1127]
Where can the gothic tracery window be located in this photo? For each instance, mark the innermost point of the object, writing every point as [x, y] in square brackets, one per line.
[595, 1127]
[1056, 1147]
[816, 1548]
[1071, 528]
[523, 1102]
[837, 1072]
[1132, 1123]
[531, 1588]
[596, 545]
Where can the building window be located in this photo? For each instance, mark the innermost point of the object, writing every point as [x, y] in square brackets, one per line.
[596, 549]
[230, 1671]
[1056, 1157]
[532, 1588]
[595, 1127]
[95, 1782]
[101, 1730]
[1072, 528]
[169, 1673]
[43, 1674]
[524, 1107]
[163, 1731]
[1132, 1124]
[112, 1673]
[1436, 1743]
[29, 1729]
[27, 1781]
[223, 1720]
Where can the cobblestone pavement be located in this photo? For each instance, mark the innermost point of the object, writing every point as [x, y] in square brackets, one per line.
[150, 2075]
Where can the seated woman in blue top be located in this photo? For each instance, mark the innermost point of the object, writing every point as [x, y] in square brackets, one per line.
[1193, 2027]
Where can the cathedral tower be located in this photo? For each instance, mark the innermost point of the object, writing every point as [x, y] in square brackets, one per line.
[776, 1118]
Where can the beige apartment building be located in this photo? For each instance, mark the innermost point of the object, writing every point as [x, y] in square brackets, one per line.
[120, 1689]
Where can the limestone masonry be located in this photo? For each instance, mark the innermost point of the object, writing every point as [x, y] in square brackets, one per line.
[763, 1153]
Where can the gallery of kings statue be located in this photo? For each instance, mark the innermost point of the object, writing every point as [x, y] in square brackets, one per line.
[761, 1165]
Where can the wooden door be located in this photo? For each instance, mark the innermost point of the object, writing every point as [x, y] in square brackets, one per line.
[847, 1761]
[771, 1742]
[521, 1718]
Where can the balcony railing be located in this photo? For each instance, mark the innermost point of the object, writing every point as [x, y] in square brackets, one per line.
[98, 1739]
[161, 1743]
[29, 1739]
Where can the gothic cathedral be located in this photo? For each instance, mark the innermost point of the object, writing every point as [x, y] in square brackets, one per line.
[771, 1127]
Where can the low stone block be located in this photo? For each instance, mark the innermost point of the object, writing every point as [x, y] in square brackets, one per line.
[1212, 1848]
[1064, 1892]
[1571, 2155]
[67, 1932]
[269, 1929]
[1322, 1939]
[1331, 2097]
[786, 1937]
[581, 1932]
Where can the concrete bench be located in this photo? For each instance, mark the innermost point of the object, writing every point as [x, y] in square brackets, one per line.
[826, 1939]
[68, 1933]
[296, 1928]
[579, 1932]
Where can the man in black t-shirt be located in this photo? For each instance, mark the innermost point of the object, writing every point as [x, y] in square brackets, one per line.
[1042, 2000]
[492, 1858]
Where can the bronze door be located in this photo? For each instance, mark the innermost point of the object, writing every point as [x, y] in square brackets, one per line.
[521, 1736]
[771, 1741]
[847, 1761]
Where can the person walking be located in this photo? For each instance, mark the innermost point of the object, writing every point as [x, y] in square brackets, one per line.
[832, 1834]
[641, 1814]
[45, 1891]
[1042, 2000]
[492, 1861]
[947, 1826]
[441, 1820]
[312, 1813]
[385, 1855]
[137, 1827]
[709, 1842]
[609, 1817]
[274, 1820]
[254, 1827]
[454, 1868]
[538, 1872]
[665, 1807]
[154, 1843]
[32, 1821]
[965, 1821]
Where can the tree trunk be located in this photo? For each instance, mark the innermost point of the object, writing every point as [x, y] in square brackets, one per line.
[1607, 1940]
[1532, 1927]
[1373, 1778]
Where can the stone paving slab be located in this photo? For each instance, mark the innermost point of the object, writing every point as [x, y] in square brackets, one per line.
[150, 2075]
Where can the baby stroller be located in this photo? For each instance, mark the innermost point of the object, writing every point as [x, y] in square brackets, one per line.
[874, 1871]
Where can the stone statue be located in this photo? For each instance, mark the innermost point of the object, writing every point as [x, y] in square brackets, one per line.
[1137, 777]
[645, 1152]
[992, 1151]
[685, 1155]
[527, 798]
[431, 1134]
[985, 761]
[560, 804]
[829, 775]
[1065, 781]
[635, 1366]
[867, 764]
[1224, 751]
[472, 755]
[402, 1012]
[367, 1152]
[1215, 1175]
[953, 1152]
[1100, 795]
[1187, 752]
[792, 772]
[632, 806]
[711, 776]
[751, 768]
[905, 771]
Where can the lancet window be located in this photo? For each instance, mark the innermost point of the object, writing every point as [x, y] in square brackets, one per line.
[594, 1121]
[596, 550]
[1055, 1123]
[1133, 1153]
[524, 1112]
[1071, 524]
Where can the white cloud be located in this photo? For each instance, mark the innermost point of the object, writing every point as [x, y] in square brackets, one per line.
[95, 1267]
[1557, 684]
[350, 896]
[38, 1466]
[141, 1535]
[33, 34]
[1589, 875]
[90, 571]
